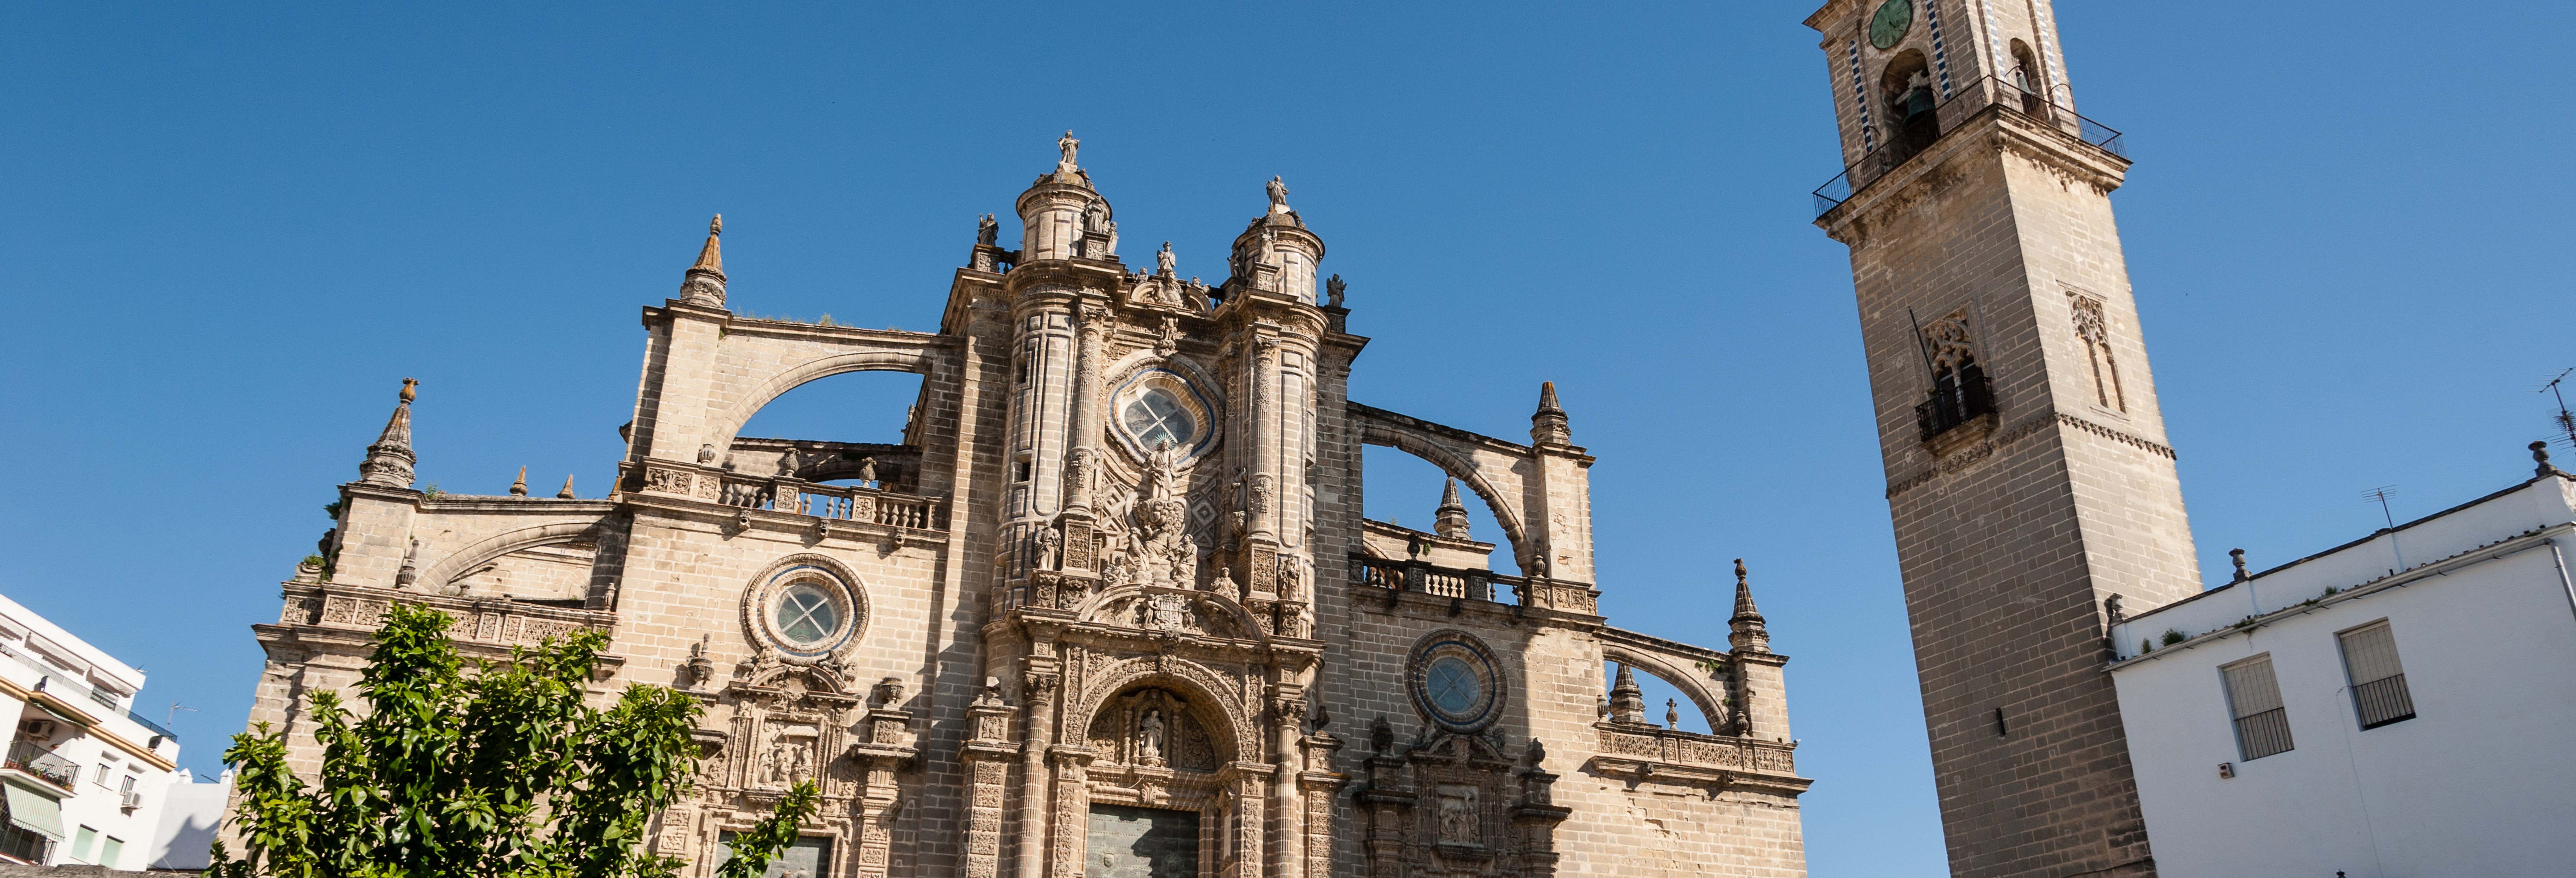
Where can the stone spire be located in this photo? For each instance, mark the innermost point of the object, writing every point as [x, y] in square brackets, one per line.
[1627, 702]
[1451, 519]
[704, 284]
[389, 461]
[566, 493]
[1548, 426]
[520, 488]
[1747, 633]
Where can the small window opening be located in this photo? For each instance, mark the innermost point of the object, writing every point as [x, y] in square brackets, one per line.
[2379, 695]
[2254, 703]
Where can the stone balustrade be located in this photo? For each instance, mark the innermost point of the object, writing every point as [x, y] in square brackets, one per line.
[1650, 745]
[798, 497]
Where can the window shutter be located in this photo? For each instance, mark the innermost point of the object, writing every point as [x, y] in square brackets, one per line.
[2254, 702]
[2379, 694]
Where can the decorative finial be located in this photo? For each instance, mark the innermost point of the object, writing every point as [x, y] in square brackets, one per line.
[704, 283]
[1672, 713]
[389, 460]
[566, 493]
[1536, 753]
[1548, 425]
[1627, 702]
[519, 488]
[1746, 630]
[2238, 555]
[1450, 520]
[1381, 735]
[2540, 456]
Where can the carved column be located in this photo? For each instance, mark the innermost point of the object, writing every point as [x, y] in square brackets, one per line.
[1038, 689]
[1261, 544]
[1287, 823]
[1080, 471]
[1072, 809]
[1388, 803]
[987, 757]
[1318, 783]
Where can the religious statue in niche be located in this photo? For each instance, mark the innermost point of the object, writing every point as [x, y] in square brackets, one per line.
[1152, 728]
[1149, 738]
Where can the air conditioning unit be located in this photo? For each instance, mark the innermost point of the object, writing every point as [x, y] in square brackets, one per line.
[129, 800]
[37, 729]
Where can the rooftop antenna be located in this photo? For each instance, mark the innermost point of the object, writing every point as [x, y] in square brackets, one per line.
[173, 715]
[2565, 420]
[2380, 495]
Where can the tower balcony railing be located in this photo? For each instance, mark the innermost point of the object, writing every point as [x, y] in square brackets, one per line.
[1972, 97]
[1955, 402]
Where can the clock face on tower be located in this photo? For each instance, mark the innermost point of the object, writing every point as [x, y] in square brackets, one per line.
[1889, 25]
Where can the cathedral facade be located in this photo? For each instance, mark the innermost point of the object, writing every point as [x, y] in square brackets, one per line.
[1108, 607]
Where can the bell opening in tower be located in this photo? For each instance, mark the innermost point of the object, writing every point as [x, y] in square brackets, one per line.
[1913, 113]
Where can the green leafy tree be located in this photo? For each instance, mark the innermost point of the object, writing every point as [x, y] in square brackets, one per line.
[493, 770]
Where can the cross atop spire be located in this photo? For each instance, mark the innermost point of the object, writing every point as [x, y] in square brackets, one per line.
[389, 460]
[1748, 633]
[704, 284]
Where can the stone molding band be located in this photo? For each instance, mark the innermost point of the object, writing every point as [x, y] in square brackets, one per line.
[1970, 456]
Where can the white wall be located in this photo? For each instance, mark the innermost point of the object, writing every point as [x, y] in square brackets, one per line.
[2477, 784]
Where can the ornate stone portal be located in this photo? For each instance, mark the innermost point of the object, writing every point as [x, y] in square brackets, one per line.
[1111, 585]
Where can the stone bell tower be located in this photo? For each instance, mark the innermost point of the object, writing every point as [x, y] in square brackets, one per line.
[2028, 472]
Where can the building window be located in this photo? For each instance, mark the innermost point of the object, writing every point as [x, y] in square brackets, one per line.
[1959, 392]
[2094, 331]
[108, 854]
[103, 769]
[83, 841]
[2379, 695]
[2254, 702]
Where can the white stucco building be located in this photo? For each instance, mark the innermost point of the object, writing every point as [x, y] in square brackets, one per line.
[84, 778]
[2395, 706]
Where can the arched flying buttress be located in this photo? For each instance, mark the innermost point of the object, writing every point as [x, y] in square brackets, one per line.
[883, 351]
[1458, 455]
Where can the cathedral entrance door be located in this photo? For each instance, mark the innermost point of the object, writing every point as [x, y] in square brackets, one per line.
[1142, 843]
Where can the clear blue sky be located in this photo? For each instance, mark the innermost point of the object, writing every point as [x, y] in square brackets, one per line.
[229, 230]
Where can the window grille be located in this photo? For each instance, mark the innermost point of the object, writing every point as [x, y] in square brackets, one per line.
[2379, 695]
[2254, 701]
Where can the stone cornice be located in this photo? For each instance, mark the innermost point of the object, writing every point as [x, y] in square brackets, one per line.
[1995, 129]
[1966, 458]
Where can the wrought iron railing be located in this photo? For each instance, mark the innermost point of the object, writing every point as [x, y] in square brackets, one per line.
[1955, 402]
[1972, 97]
[2383, 701]
[2264, 734]
[28, 757]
